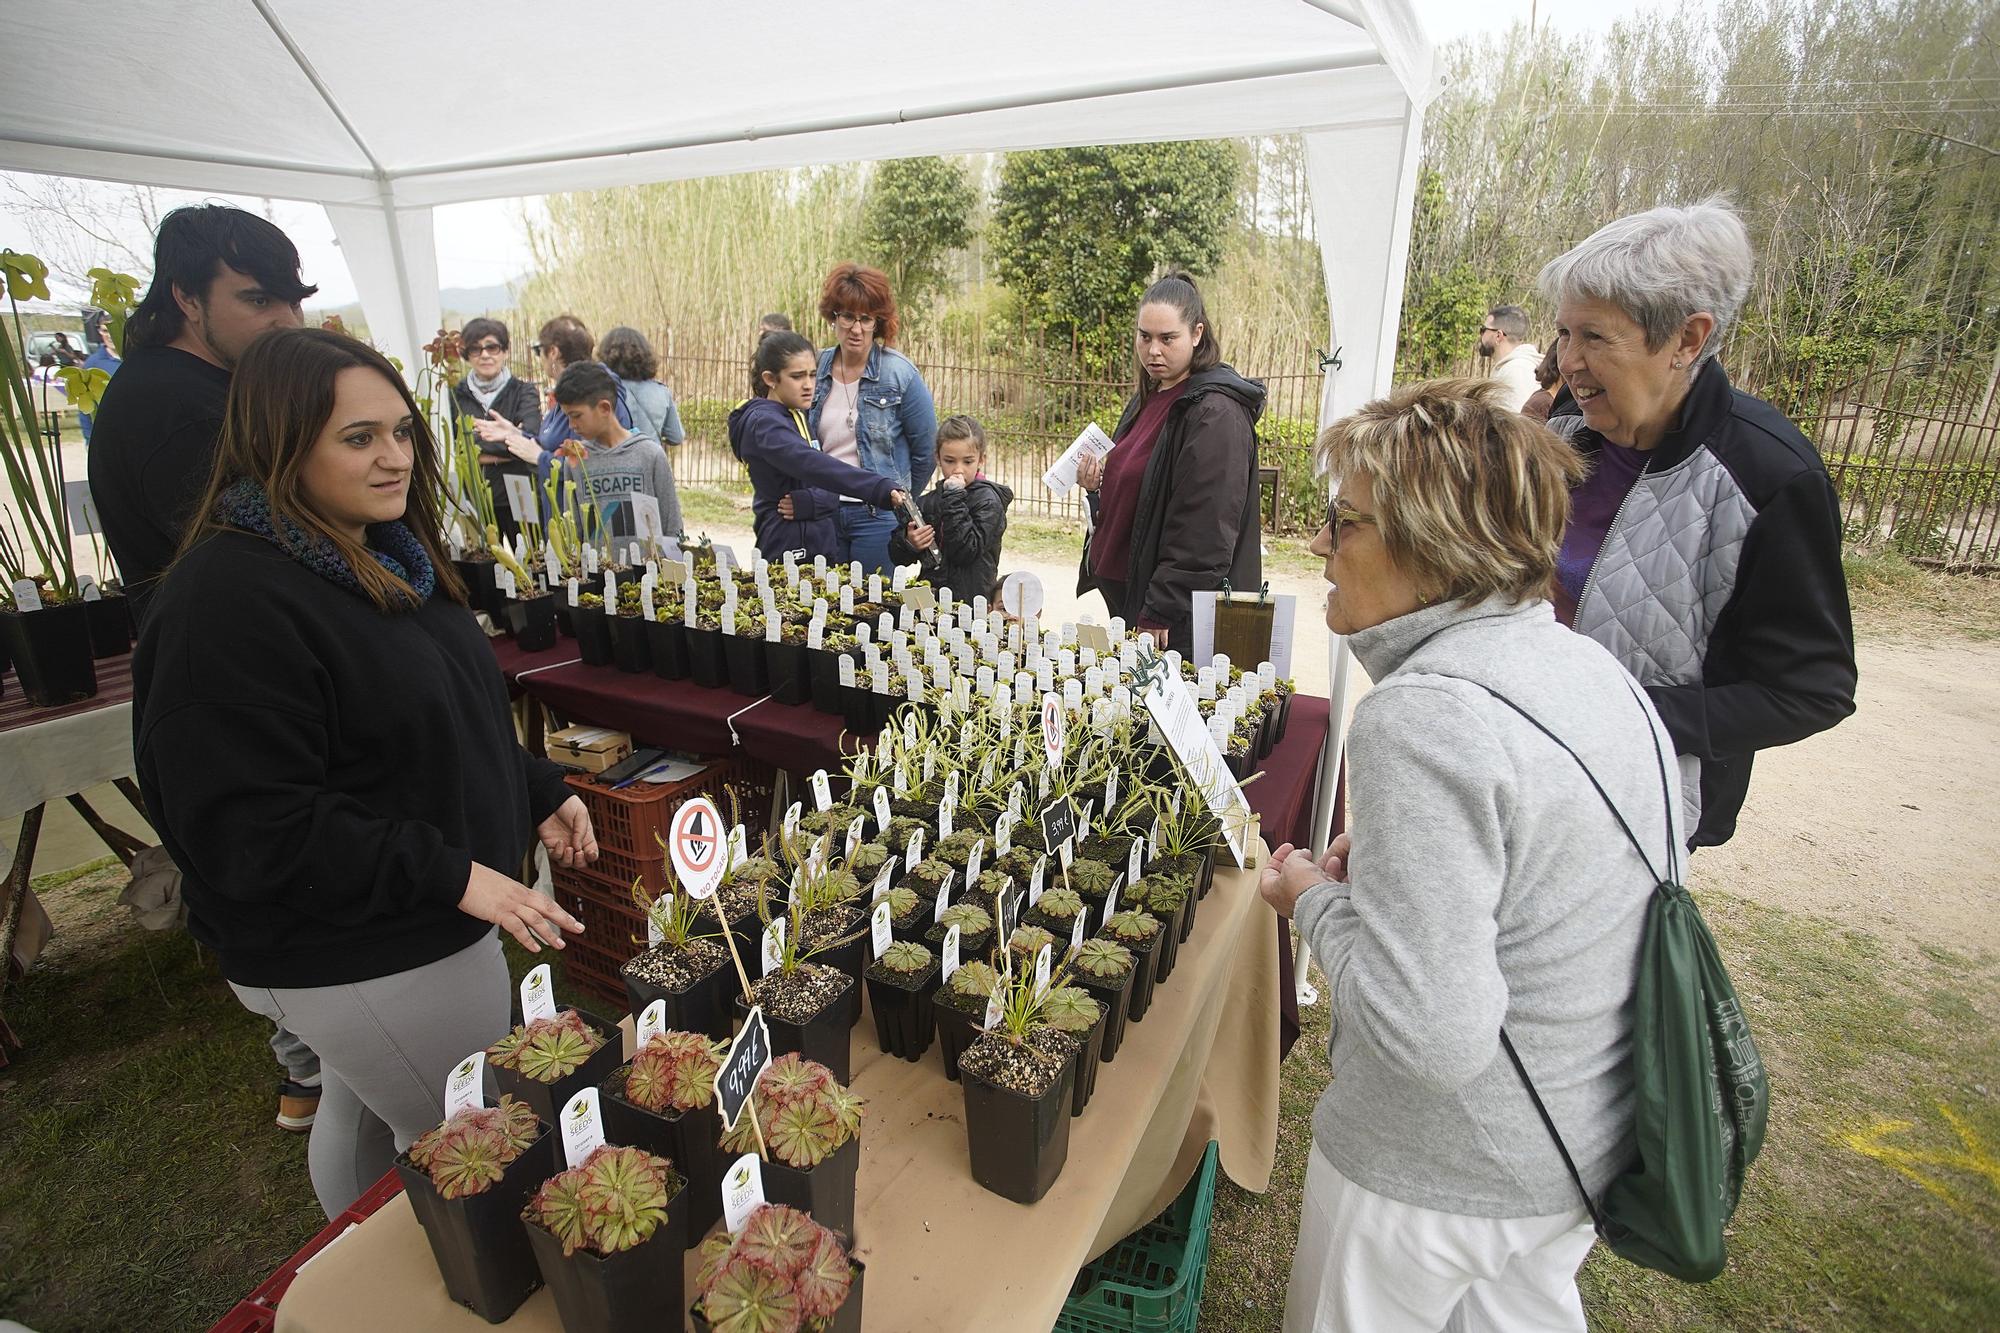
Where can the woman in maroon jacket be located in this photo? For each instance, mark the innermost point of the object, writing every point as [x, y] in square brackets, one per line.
[1174, 505]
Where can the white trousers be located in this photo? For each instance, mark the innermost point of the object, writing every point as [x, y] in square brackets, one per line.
[1367, 1264]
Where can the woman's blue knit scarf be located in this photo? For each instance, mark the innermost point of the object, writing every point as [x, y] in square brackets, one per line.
[245, 505]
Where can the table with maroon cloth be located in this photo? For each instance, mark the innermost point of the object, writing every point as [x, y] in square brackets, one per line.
[681, 715]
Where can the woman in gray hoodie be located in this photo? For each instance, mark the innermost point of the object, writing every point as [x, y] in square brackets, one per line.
[1485, 885]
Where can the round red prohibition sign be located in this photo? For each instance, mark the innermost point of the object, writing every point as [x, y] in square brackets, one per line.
[696, 844]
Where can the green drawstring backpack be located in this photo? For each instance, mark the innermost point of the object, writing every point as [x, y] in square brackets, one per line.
[1701, 1099]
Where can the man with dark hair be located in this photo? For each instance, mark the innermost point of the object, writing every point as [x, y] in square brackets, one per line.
[610, 464]
[1504, 337]
[221, 277]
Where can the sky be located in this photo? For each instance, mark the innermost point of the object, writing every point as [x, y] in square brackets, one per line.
[485, 243]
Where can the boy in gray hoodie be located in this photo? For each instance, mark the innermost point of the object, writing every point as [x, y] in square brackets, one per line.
[616, 464]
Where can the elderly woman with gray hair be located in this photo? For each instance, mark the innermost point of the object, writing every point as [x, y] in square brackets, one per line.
[1703, 547]
[1486, 893]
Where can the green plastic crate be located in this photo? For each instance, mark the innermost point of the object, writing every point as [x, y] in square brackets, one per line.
[1152, 1279]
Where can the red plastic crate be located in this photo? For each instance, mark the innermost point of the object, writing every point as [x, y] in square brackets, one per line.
[633, 821]
[257, 1312]
[594, 972]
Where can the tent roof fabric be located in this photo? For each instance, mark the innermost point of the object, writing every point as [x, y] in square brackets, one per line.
[372, 102]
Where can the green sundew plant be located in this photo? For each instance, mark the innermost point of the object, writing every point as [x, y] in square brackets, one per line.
[612, 1201]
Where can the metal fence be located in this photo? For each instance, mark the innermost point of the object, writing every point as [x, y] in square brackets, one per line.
[1912, 442]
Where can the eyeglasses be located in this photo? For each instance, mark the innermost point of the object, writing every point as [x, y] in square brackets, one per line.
[1488, 328]
[847, 320]
[1338, 511]
[490, 348]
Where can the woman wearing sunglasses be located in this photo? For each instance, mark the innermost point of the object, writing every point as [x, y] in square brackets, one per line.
[1485, 888]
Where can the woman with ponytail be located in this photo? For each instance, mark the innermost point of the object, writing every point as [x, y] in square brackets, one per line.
[1174, 504]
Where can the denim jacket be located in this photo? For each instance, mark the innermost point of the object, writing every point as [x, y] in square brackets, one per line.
[896, 429]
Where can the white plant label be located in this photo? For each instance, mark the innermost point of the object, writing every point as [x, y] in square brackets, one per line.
[792, 821]
[1076, 929]
[654, 937]
[1111, 790]
[466, 1085]
[646, 517]
[949, 953]
[943, 896]
[930, 767]
[1042, 971]
[742, 1191]
[1111, 899]
[1066, 852]
[878, 925]
[882, 812]
[951, 781]
[1134, 861]
[521, 499]
[739, 847]
[1003, 834]
[1038, 879]
[882, 880]
[538, 994]
[854, 836]
[914, 852]
[774, 945]
[822, 791]
[652, 1022]
[944, 823]
[974, 862]
[582, 1127]
[992, 1011]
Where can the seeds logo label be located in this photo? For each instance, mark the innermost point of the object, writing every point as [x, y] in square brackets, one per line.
[465, 1070]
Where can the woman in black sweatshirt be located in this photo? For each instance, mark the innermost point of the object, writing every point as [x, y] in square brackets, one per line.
[325, 747]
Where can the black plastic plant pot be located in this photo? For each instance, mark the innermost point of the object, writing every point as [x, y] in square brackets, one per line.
[52, 653]
[850, 957]
[1284, 713]
[1145, 959]
[904, 1023]
[631, 649]
[548, 1099]
[1267, 734]
[1167, 950]
[1208, 869]
[634, 1291]
[856, 704]
[826, 1191]
[532, 622]
[1018, 1143]
[749, 672]
[110, 627]
[1115, 998]
[1084, 1081]
[790, 677]
[688, 1139]
[845, 1320]
[593, 635]
[825, 1037]
[705, 662]
[480, 1243]
[823, 674]
[956, 1030]
[703, 1007]
[482, 587]
[565, 622]
[668, 641]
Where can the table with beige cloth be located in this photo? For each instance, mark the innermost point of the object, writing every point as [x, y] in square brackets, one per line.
[943, 1254]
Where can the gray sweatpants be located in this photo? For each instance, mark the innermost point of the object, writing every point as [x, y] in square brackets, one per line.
[385, 1046]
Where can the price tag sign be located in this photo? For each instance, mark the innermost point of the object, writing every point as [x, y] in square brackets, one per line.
[950, 954]
[749, 1056]
[465, 1087]
[538, 994]
[878, 926]
[774, 945]
[822, 790]
[882, 812]
[652, 1022]
[696, 846]
[1055, 728]
[582, 1127]
[1058, 823]
[742, 1191]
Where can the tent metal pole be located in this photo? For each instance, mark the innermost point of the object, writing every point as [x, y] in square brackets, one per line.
[1331, 757]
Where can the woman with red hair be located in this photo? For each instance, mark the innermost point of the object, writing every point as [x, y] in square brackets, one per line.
[871, 408]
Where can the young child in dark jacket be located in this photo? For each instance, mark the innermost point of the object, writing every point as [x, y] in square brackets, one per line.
[965, 516]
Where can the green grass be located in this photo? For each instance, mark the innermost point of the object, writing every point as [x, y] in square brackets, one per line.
[143, 1185]
[1868, 1048]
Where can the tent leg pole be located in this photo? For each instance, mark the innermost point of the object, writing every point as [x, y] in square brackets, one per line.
[1324, 800]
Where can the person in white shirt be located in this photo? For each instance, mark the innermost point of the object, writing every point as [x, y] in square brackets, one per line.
[1504, 338]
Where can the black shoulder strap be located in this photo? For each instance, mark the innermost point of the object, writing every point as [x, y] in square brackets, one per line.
[1673, 868]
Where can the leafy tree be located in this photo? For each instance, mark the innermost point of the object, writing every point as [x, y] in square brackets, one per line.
[1079, 232]
[917, 211]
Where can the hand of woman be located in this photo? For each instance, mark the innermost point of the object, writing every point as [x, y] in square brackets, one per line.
[571, 842]
[785, 509]
[495, 428]
[922, 535]
[1090, 472]
[1334, 863]
[524, 448]
[1287, 875]
[526, 915]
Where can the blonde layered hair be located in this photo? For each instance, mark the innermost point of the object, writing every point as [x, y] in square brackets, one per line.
[1470, 498]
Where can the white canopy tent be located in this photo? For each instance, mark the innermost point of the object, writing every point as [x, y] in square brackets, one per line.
[366, 108]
